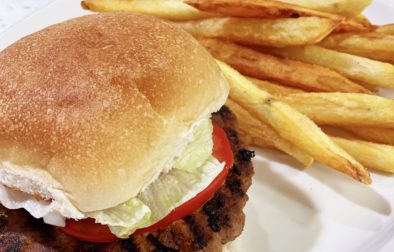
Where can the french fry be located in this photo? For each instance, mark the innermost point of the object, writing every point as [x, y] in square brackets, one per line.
[258, 9]
[254, 132]
[167, 9]
[372, 155]
[358, 68]
[274, 88]
[344, 108]
[376, 46]
[348, 8]
[364, 21]
[272, 9]
[354, 25]
[288, 72]
[373, 134]
[386, 29]
[292, 125]
[277, 33]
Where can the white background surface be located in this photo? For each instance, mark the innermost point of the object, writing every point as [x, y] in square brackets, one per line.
[11, 11]
[291, 210]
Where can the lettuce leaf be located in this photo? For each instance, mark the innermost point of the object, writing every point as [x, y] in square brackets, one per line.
[192, 172]
[198, 150]
[177, 187]
[166, 193]
[124, 218]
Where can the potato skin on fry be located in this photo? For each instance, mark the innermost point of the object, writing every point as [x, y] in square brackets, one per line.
[267, 32]
[274, 9]
[167, 9]
[292, 125]
[386, 29]
[377, 46]
[373, 134]
[357, 68]
[349, 8]
[354, 25]
[288, 72]
[258, 9]
[274, 88]
[257, 133]
[344, 109]
[372, 155]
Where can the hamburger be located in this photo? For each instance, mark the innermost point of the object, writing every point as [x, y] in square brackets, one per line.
[113, 136]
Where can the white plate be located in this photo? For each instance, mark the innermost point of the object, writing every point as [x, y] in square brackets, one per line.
[291, 209]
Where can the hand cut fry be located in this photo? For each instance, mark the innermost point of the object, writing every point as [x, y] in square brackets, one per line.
[364, 70]
[167, 9]
[348, 8]
[276, 33]
[274, 88]
[344, 108]
[364, 21]
[292, 125]
[354, 25]
[386, 29]
[289, 72]
[272, 9]
[376, 46]
[371, 155]
[258, 9]
[377, 135]
[254, 132]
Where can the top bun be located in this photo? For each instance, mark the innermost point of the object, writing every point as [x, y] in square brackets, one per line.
[100, 103]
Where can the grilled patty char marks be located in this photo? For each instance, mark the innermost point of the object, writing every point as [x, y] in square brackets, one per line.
[219, 221]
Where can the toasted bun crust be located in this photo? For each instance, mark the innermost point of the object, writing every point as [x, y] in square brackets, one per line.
[101, 102]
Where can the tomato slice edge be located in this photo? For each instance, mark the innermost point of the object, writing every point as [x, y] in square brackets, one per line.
[89, 231]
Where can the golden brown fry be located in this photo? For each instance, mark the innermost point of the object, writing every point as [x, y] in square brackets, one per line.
[373, 89]
[273, 9]
[344, 108]
[376, 46]
[354, 25]
[292, 125]
[167, 9]
[373, 134]
[364, 21]
[364, 70]
[274, 88]
[288, 72]
[276, 33]
[258, 9]
[348, 8]
[371, 155]
[386, 29]
[254, 132]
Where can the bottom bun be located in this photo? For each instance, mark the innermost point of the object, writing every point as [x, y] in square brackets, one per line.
[218, 222]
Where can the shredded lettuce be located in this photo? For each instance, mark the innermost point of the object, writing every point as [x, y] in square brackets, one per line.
[125, 217]
[198, 150]
[177, 187]
[191, 173]
[166, 193]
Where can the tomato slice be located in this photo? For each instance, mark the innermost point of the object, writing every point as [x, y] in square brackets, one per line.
[222, 151]
[88, 230]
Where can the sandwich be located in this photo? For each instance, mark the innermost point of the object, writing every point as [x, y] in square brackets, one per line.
[113, 136]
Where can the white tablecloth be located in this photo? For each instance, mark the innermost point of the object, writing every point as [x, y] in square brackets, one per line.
[11, 11]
